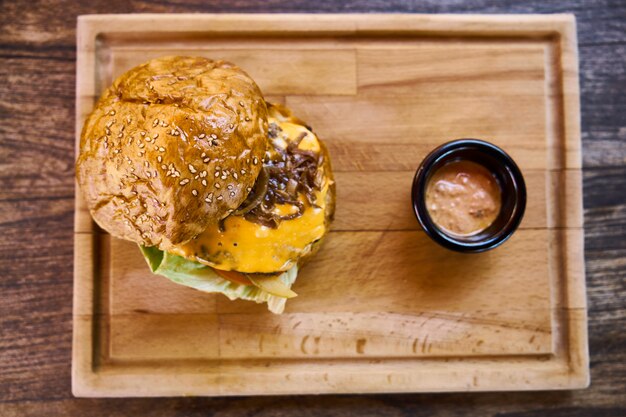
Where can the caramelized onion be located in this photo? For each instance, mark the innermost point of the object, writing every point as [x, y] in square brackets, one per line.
[286, 175]
[256, 196]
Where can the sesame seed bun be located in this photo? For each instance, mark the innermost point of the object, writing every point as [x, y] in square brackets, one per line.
[173, 146]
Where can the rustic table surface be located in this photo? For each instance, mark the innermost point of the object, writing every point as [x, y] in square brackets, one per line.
[37, 85]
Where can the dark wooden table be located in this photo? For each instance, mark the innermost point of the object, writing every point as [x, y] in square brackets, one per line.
[37, 77]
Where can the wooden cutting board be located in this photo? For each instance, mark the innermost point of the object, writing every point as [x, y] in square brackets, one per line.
[381, 308]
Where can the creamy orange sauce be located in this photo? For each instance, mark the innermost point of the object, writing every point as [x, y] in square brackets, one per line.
[463, 198]
[250, 247]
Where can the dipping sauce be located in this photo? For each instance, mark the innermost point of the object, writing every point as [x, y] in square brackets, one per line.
[463, 198]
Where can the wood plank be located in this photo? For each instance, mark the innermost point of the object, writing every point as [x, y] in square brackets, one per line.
[276, 71]
[398, 272]
[134, 289]
[345, 335]
[453, 68]
[368, 283]
[163, 336]
[386, 133]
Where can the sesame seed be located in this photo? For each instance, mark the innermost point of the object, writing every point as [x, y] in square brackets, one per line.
[248, 161]
[224, 175]
[209, 198]
[164, 123]
[232, 193]
[234, 175]
[112, 113]
[206, 160]
[155, 122]
[248, 189]
[141, 145]
[255, 160]
[217, 185]
[217, 174]
[243, 172]
[219, 197]
[128, 120]
[231, 126]
[204, 182]
[107, 131]
[230, 186]
[117, 151]
[241, 103]
[213, 136]
[159, 159]
[120, 135]
[184, 182]
[156, 135]
[161, 149]
[142, 133]
[203, 155]
[163, 166]
[194, 192]
[192, 169]
[247, 119]
[109, 124]
[122, 128]
[149, 174]
[201, 136]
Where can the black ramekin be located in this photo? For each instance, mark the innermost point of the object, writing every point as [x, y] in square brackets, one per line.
[507, 175]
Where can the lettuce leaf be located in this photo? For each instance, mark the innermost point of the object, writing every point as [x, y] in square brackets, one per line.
[195, 275]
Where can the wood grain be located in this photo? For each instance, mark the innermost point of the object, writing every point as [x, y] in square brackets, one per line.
[37, 40]
[369, 286]
[277, 72]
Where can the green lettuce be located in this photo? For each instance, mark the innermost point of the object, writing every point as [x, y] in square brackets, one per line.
[195, 275]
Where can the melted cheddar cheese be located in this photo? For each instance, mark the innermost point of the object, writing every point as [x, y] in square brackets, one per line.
[250, 247]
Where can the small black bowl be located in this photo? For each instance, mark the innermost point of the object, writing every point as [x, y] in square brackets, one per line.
[508, 176]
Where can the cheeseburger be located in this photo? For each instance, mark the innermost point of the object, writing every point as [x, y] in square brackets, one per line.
[222, 191]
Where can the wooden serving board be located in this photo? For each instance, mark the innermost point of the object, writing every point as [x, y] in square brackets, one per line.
[381, 308]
